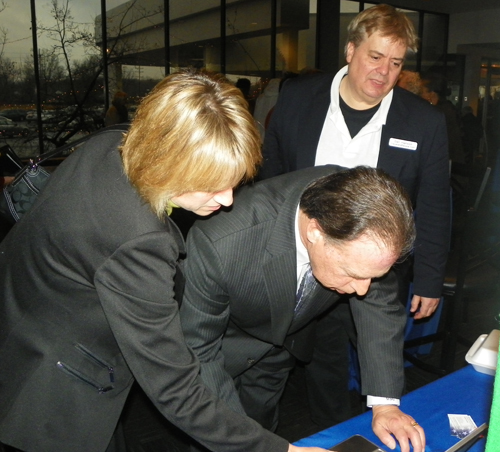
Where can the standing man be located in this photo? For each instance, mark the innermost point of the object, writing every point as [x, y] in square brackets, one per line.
[258, 275]
[358, 117]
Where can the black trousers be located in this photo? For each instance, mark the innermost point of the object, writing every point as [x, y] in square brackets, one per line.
[117, 443]
[327, 375]
[260, 389]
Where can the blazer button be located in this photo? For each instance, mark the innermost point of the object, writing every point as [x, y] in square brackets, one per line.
[250, 361]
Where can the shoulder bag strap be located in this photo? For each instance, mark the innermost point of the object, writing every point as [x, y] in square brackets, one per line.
[32, 164]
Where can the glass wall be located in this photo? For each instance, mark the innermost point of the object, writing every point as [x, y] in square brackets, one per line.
[64, 87]
[135, 49]
[17, 78]
[194, 33]
[433, 43]
[348, 10]
[489, 105]
[56, 87]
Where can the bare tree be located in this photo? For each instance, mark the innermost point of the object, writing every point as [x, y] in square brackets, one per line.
[83, 76]
[8, 71]
[52, 74]
[66, 35]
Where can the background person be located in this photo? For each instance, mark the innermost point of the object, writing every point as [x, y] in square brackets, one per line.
[436, 91]
[245, 85]
[411, 81]
[355, 117]
[117, 112]
[472, 132]
[91, 275]
[264, 103]
[245, 267]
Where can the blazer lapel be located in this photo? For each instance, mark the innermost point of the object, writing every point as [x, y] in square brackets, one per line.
[396, 160]
[281, 285]
[280, 268]
[312, 120]
[321, 299]
[280, 264]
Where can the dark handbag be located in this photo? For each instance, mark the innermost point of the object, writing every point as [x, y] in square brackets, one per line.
[21, 193]
[18, 197]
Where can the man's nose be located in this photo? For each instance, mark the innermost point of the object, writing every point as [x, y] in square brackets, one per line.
[361, 286]
[384, 67]
[224, 197]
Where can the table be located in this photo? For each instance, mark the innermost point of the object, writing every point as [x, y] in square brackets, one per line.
[465, 391]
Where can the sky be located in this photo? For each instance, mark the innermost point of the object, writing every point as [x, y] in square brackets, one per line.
[16, 20]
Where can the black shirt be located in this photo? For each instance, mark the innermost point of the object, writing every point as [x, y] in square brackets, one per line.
[356, 119]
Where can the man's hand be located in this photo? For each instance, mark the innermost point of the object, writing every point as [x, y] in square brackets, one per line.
[389, 420]
[427, 306]
[305, 449]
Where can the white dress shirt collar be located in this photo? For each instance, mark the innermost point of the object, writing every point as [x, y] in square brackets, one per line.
[302, 255]
[336, 146]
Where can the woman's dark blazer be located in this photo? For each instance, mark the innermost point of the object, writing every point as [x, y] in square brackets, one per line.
[87, 287]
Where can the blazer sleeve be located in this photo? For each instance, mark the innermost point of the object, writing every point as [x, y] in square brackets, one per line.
[135, 287]
[274, 162]
[205, 315]
[380, 319]
[292, 137]
[425, 175]
[433, 204]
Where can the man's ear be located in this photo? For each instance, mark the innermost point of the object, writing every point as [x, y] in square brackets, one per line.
[313, 231]
[349, 51]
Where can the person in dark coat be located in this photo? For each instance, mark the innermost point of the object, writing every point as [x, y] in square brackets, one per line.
[117, 113]
[91, 276]
[359, 117]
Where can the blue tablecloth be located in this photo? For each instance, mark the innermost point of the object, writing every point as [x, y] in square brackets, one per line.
[462, 392]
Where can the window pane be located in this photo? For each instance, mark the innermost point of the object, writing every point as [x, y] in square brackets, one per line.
[348, 11]
[135, 51]
[411, 58]
[489, 109]
[195, 34]
[307, 41]
[248, 39]
[433, 45]
[70, 94]
[17, 79]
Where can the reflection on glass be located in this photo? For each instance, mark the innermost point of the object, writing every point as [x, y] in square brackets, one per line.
[248, 47]
[489, 105]
[433, 43]
[76, 82]
[194, 32]
[348, 11]
[306, 53]
[17, 77]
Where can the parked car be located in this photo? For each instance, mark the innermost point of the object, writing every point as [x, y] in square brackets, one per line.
[31, 116]
[47, 115]
[88, 122]
[15, 115]
[7, 119]
[9, 129]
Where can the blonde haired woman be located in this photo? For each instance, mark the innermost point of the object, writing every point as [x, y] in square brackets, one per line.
[88, 277]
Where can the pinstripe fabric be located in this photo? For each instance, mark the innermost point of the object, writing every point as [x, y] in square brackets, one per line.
[86, 283]
[239, 298]
[380, 354]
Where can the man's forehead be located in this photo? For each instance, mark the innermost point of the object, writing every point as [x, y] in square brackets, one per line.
[393, 39]
[364, 246]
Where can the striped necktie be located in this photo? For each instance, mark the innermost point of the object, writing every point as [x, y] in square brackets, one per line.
[306, 286]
